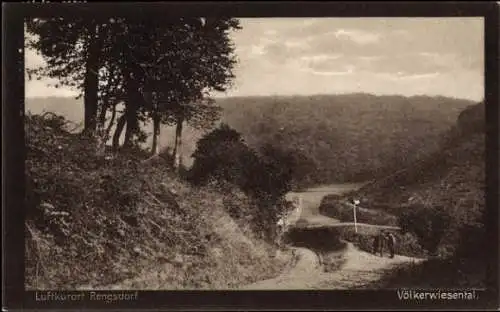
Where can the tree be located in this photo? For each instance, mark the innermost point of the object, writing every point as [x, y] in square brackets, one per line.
[72, 50]
[174, 65]
[428, 223]
[163, 70]
[86, 55]
[201, 114]
[206, 63]
[222, 156]
[219, 155]
[292, 165]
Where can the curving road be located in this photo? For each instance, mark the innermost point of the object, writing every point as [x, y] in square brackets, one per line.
[359, 269]
[356, 268]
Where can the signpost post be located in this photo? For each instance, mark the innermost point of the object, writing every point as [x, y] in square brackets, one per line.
[297, 211]
[354, 206]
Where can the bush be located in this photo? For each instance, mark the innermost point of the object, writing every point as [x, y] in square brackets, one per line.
[406, 243]
[335, 207]
[428, 223]
[222, 156]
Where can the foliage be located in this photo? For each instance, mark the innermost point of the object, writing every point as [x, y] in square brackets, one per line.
[406, 243]
[349, 138]
[429, 224]
[112, 219]
[222, 156]
[290, 165]
[62, 43]
[339, 209]
[164, 69]
[77, 53]
[441, 201]
[435, 273]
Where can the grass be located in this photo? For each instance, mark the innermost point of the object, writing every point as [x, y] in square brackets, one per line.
[335, 207]
[113, 221]
[434, 273]
[450, 181]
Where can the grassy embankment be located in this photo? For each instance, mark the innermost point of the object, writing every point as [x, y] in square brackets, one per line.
[450, 181]
[103, 220]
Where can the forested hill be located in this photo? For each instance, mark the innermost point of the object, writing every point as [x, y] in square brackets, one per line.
[350, 137]
[441, 201]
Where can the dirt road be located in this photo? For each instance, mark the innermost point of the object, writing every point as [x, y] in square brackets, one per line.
[356, 268]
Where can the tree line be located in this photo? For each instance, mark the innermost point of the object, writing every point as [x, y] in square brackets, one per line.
[161, 70]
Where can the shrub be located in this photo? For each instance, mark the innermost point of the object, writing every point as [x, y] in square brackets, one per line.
[406, 243]
[335, 207]
[428, 223]
[222, 156]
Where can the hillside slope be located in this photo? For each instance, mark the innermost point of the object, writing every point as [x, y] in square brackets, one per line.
[452, 176]
[450, 181]
[353, 137]
[100, 220]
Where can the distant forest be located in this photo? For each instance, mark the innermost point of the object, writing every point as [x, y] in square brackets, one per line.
[338, 138]
[348, 138]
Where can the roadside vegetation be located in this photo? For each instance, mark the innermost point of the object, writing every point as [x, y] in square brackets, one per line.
[102, 208]
[106, 207]
[98, 220]
[439, 203]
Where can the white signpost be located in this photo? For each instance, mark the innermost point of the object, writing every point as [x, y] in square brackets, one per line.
[354, 206]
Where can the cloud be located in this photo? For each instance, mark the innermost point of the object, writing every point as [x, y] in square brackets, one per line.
[408, 76]
[336, 55]
[325, 64]
[349, 70]
[441, 59]
[258, 49]
[357, 36]
[301, 44]
[370, 58]
[270, 32]
[400, 32]
[320, 57]
[309, 22]
[410, 63]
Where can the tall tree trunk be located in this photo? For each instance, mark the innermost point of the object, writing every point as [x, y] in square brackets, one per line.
[101, 134]
[111, 122]
[91, 81]
[131, 106]
[118, 132]
[102, 114]
[104, 110]
[177, 155]
[132, 123]
[156, 133]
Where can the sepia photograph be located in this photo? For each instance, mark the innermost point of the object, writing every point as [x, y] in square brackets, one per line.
[255, 153]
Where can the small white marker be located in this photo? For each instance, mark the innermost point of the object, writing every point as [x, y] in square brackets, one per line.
[356, 203]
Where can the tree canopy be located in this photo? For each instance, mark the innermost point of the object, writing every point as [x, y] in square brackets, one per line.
[162, 70]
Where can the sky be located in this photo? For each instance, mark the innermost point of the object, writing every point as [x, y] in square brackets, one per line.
[302, 56]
